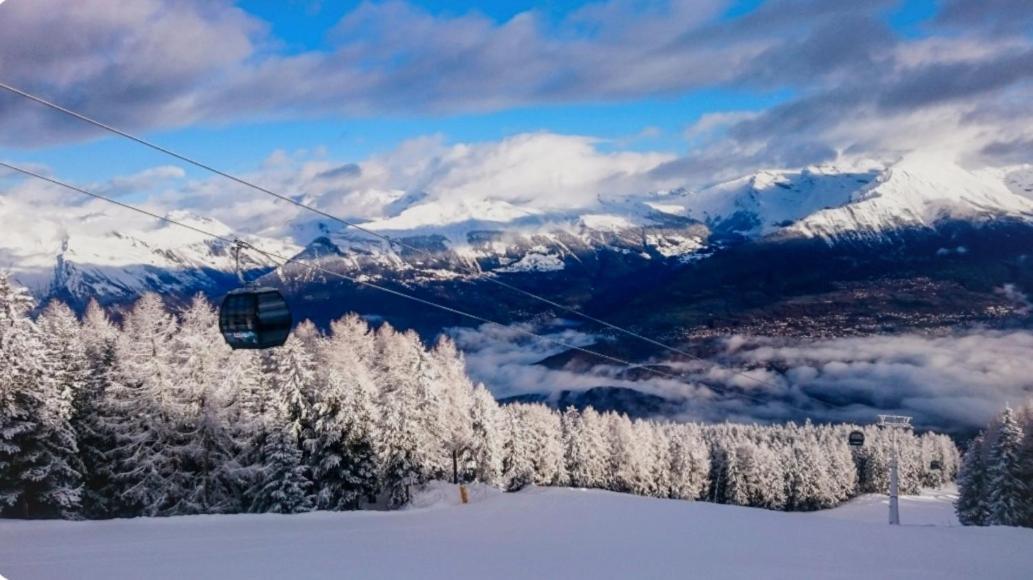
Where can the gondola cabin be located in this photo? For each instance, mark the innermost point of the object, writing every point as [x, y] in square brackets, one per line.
[255, 318]
[856, 438]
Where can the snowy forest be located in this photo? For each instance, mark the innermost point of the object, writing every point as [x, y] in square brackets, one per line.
[157, 416]
[995, 482]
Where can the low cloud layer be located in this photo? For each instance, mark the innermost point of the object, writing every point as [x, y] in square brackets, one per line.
[954, 382]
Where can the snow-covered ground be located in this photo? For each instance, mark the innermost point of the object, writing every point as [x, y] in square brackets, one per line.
[538, 533]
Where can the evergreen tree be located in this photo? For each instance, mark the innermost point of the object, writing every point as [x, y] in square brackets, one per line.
[205, 448]
[397, 370]
[344, 441]
[1008, 490]
[284, 483]
[586, 448]
[486, 449]
[140, 415]
[64, 377]
[690, 463]
[89, 413]
[972, 505]
[38, 454]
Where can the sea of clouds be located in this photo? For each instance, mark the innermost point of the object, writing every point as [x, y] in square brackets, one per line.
[954, 381]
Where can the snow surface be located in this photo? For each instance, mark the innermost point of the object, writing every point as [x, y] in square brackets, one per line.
[537, 533]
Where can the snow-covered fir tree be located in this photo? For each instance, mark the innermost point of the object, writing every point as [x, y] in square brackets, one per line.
[206, 449]
[283, 483]
[142, 414]
[343, 445]
[39, 474]
[90, 418]
[994, 479]
[972, 505]
[397, 370]
[1008, 489]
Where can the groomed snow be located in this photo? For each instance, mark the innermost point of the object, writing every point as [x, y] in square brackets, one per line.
[538, 533]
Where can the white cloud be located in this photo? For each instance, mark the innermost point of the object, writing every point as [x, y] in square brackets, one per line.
[857, 85]
[955, 381]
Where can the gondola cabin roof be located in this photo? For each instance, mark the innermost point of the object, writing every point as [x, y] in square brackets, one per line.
[255, 318]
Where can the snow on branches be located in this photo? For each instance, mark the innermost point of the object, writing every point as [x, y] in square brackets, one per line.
[156, 416]
[995, 483]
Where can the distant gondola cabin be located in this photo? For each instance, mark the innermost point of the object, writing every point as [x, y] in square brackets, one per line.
[255, 318]
[856, 438]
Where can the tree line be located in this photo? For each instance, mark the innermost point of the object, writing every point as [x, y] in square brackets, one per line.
[156, 416]
[995, 483]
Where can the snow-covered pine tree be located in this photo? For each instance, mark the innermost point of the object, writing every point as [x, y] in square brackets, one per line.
[690, 462]
[452, 409]
[88, 410]
[1008, 490]
[809, 486]
[533, 451]
[660, 462]
[37, 446]
[585, 464]
[343, 446]
[397, 371]
[205, 447]
[630, 461]
[1026, 461]
[738, 473]
[842, 472]
[972, 505]
[247, 385]
[64, 377]
[769, 490]
[284, 483]
[140, 414]
[486, 450]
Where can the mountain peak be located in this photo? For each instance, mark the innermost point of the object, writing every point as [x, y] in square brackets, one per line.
[918, 191]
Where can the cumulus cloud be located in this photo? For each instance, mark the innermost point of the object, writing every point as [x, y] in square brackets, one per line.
[955, 381]
[544, 171]
[138, 64]
[857, 85]
[525, 173]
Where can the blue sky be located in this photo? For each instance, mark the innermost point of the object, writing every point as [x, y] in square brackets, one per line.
[236, 82]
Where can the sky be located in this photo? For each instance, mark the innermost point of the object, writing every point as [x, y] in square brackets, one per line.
[699, 90]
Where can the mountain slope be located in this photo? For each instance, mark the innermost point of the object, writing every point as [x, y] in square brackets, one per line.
[611, 238]
[100, 257]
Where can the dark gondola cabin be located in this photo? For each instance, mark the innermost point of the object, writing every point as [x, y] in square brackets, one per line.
[255, 318]
[856, 439]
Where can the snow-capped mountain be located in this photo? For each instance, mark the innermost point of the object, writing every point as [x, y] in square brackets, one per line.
[100, 257]
[439, 240]
[861, 201]
[867, 201]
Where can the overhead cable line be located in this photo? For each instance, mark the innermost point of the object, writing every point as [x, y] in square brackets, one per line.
[389, 239]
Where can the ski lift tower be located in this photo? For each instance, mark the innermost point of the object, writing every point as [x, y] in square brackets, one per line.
[895, 423]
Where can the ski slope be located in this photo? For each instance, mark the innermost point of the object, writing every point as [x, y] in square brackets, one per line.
[538, 533]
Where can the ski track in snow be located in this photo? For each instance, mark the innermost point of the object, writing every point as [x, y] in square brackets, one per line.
[538, 533]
